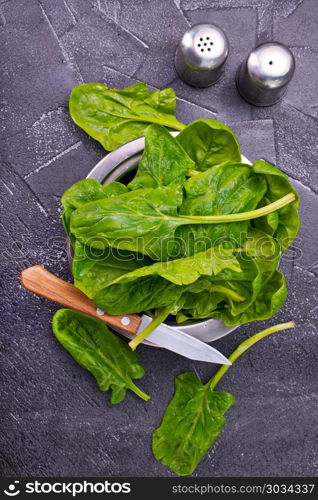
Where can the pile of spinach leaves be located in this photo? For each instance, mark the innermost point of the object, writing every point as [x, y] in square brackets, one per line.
[196, 234]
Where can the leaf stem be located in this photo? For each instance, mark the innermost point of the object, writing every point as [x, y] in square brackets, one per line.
[175, 125]
[252, 214]
[244, 346]
[150, 328]
[192, 172]
[138, 391]
[226, 291]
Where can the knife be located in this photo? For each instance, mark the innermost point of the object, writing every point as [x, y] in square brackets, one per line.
[42, 282]
[177, 341]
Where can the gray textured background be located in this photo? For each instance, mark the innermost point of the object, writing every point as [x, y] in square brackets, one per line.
[54, 420]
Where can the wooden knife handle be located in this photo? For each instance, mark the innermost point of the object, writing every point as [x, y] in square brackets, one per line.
[42, 282]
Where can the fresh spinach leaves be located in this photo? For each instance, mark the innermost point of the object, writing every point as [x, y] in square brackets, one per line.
[98, 350]
[114, 117]
[191, 423]
[195, 416]
[161, 284]
[190, 194]
[94, 269]
[209, 142]
[83, 192]
[145, 220]
[196, 234]
[163, 161]
[285, 224]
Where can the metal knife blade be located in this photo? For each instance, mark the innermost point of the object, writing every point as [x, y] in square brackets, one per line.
[182, 343]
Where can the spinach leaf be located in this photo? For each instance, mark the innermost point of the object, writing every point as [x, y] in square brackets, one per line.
[145, 220]
[236, 187]
[151, 292]
[193, 420]
[163, 161]
[83, 192]
[93, 269]
[237, 285]
[271, 296]
[98, 350]
[195, 416]
[162, 284]
[209, 142]
[285, 224]
[114, 117]
[236, 301]
[258, 260]
[223, 189]
[256, 292]
[189, 269]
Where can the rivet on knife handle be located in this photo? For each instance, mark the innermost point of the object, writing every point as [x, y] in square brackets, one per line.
[42, 282]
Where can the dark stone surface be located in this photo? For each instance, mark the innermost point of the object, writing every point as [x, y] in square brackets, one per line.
[54, 420]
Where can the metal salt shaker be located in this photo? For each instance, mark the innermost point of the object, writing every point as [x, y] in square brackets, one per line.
[263, 77]
[201, 55]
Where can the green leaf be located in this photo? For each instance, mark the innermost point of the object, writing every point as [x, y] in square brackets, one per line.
[136, 221]
[254, 293]
[147, 293]
[209, 142]
[195, 416]
[285, 224]
[269, 299]
[222, 189]
[163, 161]
[193, 420]
[83, 192]
[98, 350]
[162, 284]
[145, 220]
[232, 188]
[114, 117]
[189, 269]
[93, 269]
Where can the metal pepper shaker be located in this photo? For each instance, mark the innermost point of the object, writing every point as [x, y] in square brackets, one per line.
[201, 55]
[263, 77]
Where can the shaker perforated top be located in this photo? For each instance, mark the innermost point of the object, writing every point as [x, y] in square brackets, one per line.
[201, 55]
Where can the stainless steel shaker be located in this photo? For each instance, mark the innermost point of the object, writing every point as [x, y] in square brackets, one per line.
[201, 55]
[263, 77]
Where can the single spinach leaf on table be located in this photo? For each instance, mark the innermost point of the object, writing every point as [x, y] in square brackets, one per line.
[98, 350]
[163, 161]
[209, 142]
[114, 117]
[195, 416]
[193, 420]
